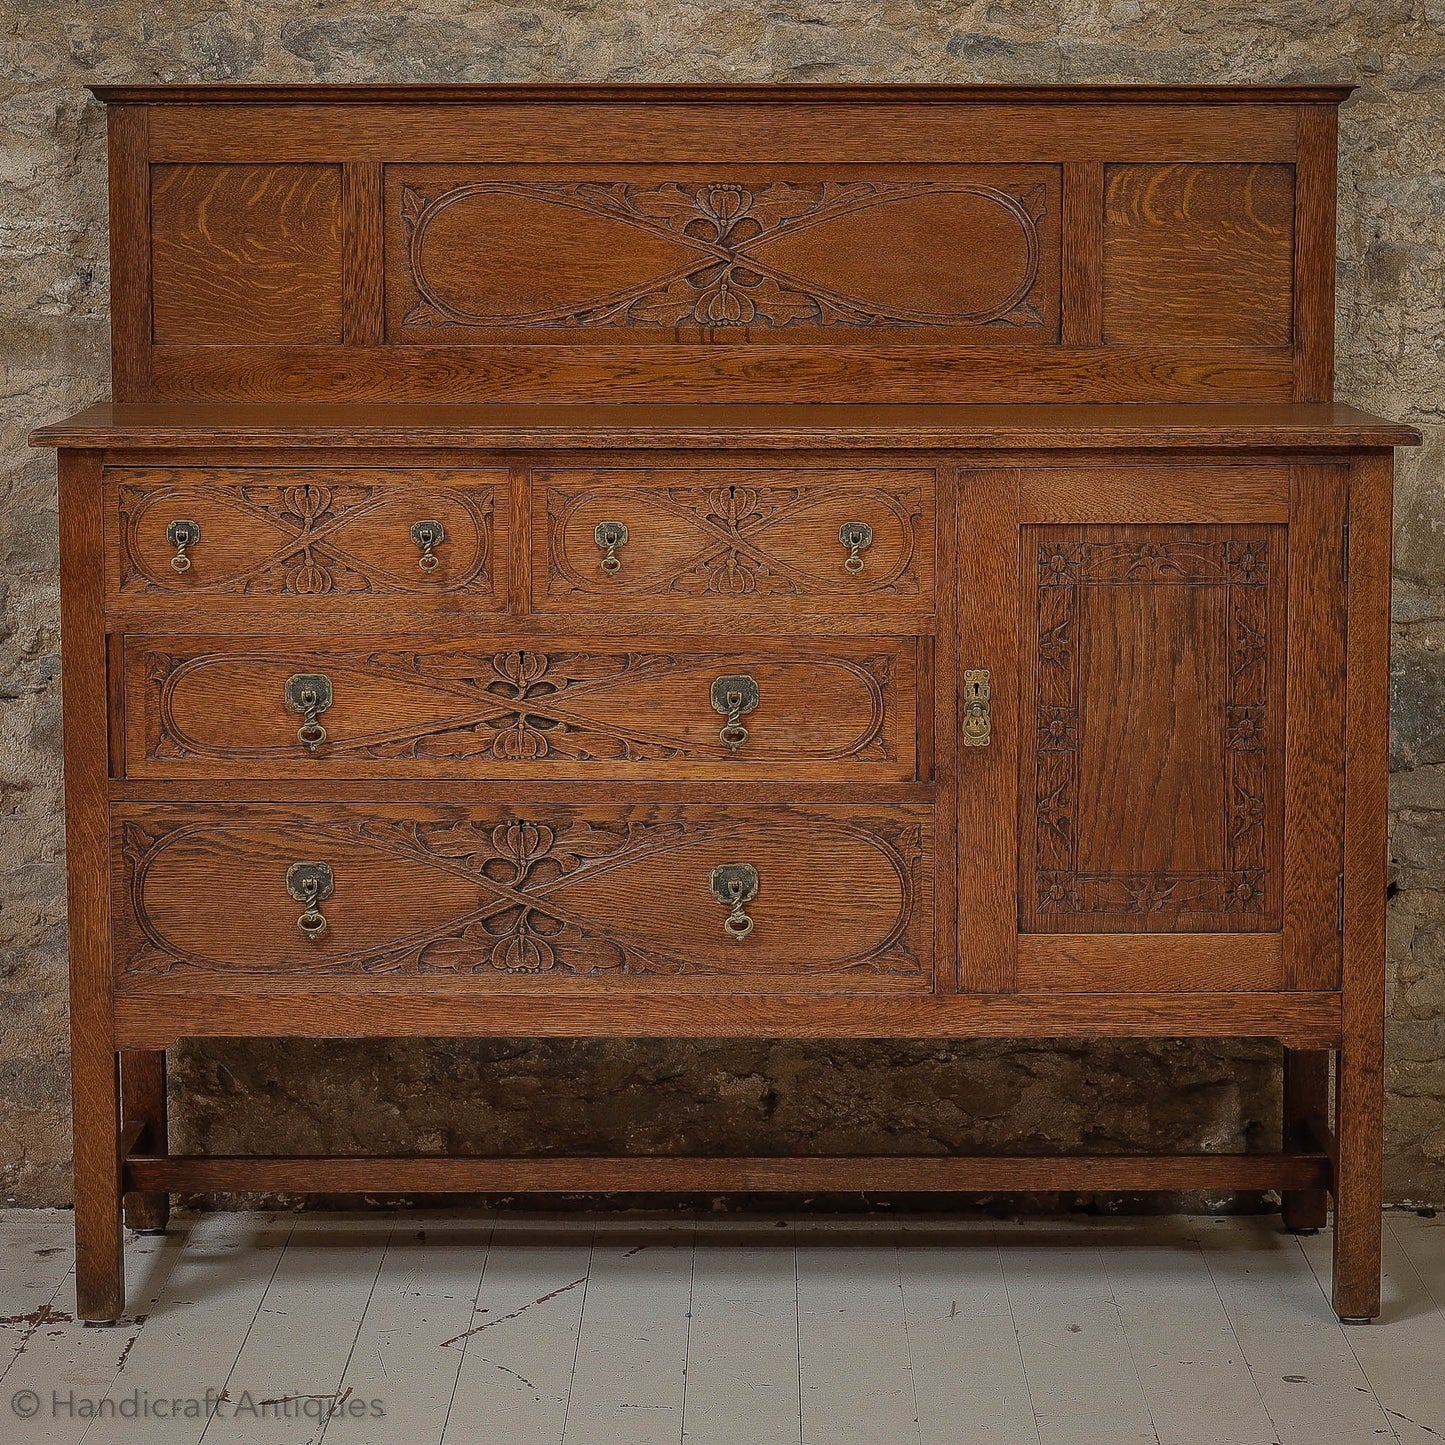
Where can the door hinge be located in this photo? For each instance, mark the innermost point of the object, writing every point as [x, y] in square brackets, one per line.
[1339, 903]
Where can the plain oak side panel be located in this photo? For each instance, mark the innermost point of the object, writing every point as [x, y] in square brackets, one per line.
[1204, 252]
[246, 254]
[987, 588]
[1314, 259]
[1314, 743]
[1359, 1073]
[95, 1073]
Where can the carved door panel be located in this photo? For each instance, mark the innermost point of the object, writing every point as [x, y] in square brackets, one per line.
[826, 896]
[1180, 733]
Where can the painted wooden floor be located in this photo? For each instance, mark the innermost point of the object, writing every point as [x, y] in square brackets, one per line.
[373, 1329]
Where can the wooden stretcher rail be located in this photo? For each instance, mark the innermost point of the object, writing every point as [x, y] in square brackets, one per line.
[423, 1174]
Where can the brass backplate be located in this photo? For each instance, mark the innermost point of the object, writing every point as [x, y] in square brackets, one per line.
[310, 882]
[734, 883]
[735, 694]
[308, 692]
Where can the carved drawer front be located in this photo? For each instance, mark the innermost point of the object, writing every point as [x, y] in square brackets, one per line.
[289, 707]
[790, 897]
[238, 532]
[1153, 774]
[692, 540]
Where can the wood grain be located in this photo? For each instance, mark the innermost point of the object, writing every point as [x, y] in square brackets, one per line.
[1205, 251]
[246, 253]
[128, 145]
[156, 1013]
[1314, 260]
[217, 707]
[1083, 254]
[94, 1069]
[216, 427]
[363, 304]
[541, 896]
[1183, 962]
[423, 1174]
[1315, 728]
[1359, 1074]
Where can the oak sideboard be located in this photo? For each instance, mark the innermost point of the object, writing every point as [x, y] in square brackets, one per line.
[807, 562]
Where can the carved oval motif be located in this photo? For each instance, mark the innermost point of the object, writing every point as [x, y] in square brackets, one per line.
[507, 708]
[308, 535]
[565, 894]
[505, 253]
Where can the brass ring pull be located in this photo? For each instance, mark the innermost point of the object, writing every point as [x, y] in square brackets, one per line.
[857, 537]
[182, 534]
[735, 885]
[428, 535]
[733, 696]
[610, 536]
[977, 707]
[309, 884]
[309, 693]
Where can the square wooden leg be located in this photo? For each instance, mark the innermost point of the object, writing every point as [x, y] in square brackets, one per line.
[1359, 1182]
[99, 1263]
[1306, 1104]
[143, 1101]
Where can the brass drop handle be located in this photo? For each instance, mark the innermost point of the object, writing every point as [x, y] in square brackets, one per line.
[734, 695]
[977, 696]
[428, 535]
[182, 534]
[309, 884]
[735, 885]
[610, 536]
[309, 693]
[857, 537]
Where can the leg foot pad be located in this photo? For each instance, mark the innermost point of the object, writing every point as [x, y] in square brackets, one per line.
[1357, 1319]
[100, 1324]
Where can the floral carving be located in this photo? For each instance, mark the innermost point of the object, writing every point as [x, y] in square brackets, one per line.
[523, 891]
[516, 706]
[722, 277]
[306, 525]
[1072, 560]
[736, 532]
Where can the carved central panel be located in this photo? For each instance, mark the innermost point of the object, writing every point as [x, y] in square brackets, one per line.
[1158, 722]
[971, 248]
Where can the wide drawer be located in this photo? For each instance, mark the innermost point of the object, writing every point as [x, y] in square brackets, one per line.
[304, 532]
[706, 541]
[649, 708]
[807, 895]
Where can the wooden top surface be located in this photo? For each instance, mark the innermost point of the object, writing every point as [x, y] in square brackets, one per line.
[214, 94]
[896, 426]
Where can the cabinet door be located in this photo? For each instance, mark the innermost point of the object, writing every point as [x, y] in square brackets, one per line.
[1179, 733]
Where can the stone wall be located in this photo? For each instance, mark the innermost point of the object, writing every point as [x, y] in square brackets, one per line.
[53, 344]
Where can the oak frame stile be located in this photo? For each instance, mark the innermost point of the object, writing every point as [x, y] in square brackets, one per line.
[1063, 684]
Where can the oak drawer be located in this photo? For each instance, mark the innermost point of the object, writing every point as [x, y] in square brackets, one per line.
[706, 541]
[548, 894]
[306, 533]
[644, 708]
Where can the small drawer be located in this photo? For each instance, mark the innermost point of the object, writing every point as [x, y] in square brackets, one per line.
[698, 541]
[229, 533]
[782, 896]
[637, 709]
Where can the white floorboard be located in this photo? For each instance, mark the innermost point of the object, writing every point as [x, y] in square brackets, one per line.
[628, 1331]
